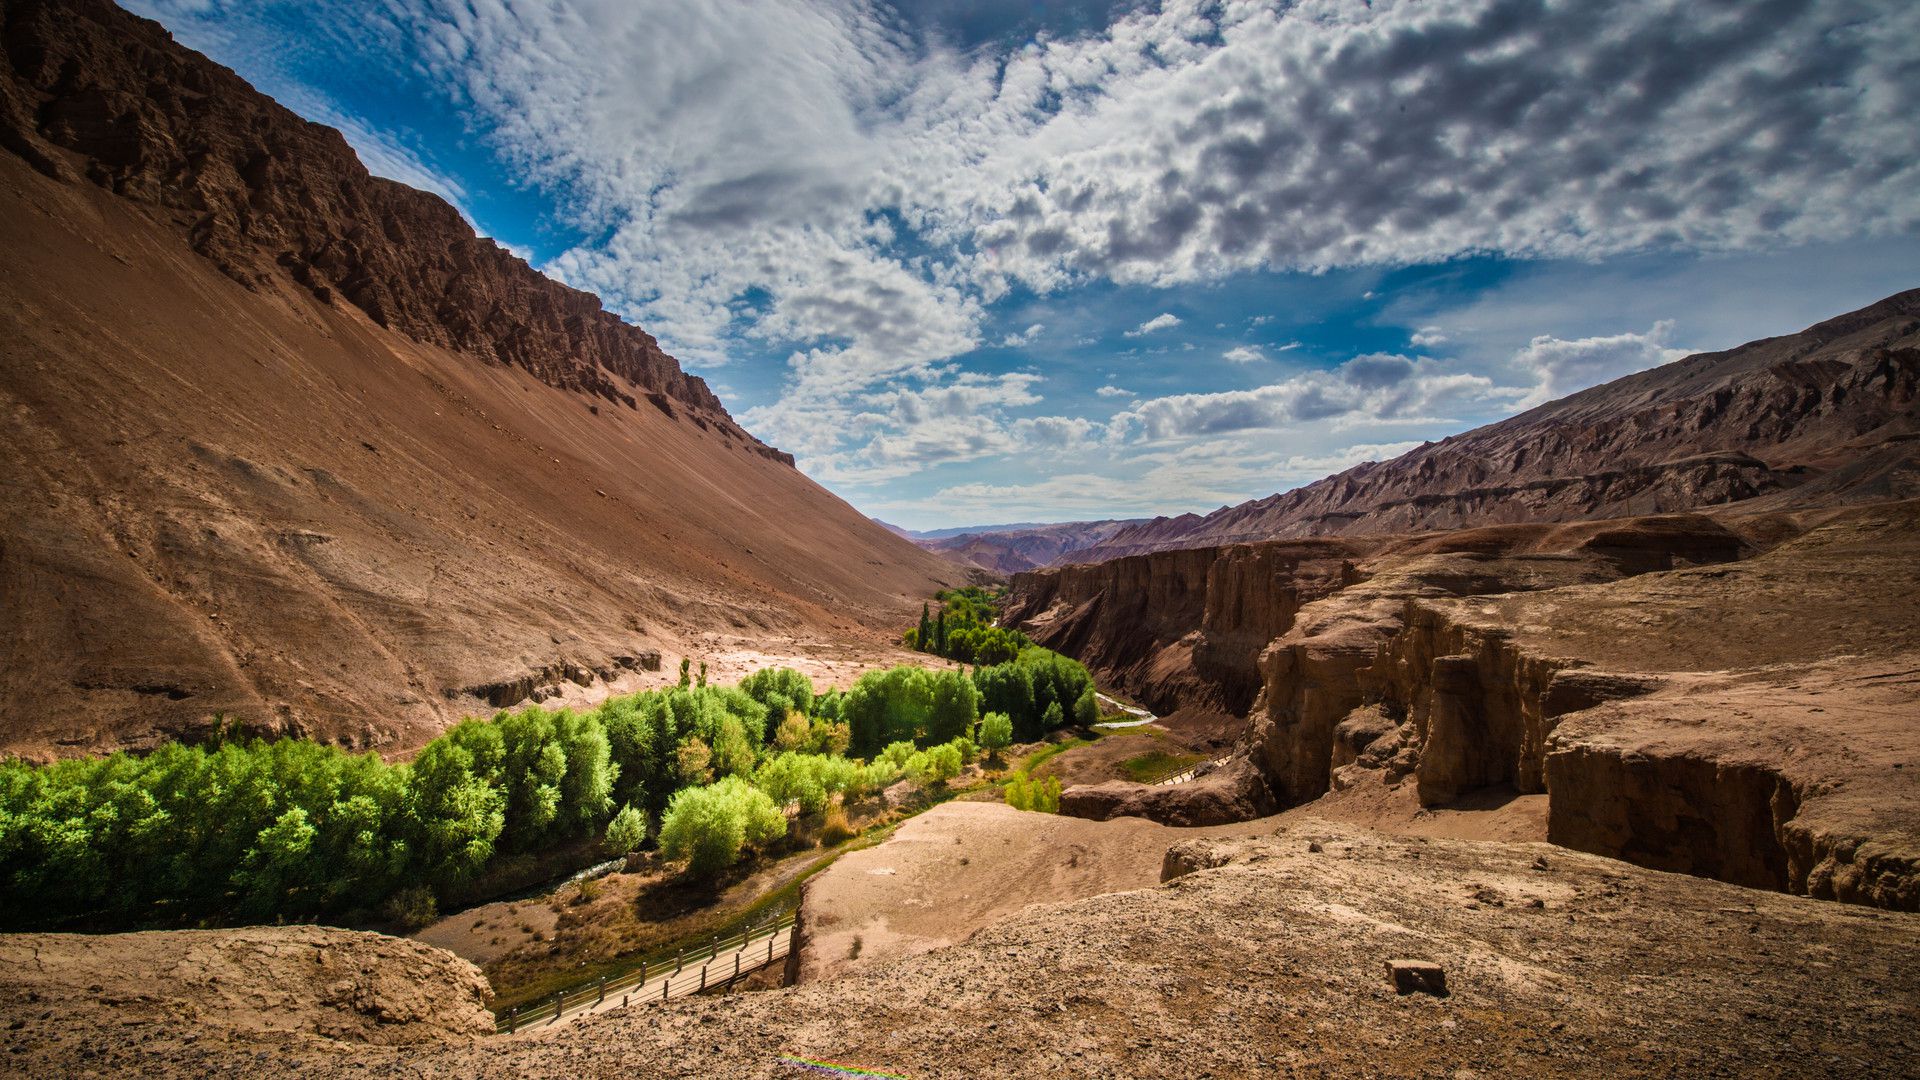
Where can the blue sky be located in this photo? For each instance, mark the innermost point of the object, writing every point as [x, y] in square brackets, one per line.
[1007, 260]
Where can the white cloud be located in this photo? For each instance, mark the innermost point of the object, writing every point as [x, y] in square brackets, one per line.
[1560, 367]
[1113, 391]
[1023, 337]
[1163, 321]
[1260, 320]
[1244, 354]
[878, 194]
[1377, 387]
[1427, 337]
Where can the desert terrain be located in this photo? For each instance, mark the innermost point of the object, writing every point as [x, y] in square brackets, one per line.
[1582, 742]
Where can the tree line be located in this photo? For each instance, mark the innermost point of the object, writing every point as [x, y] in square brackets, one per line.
[963, 629]
[250, 829]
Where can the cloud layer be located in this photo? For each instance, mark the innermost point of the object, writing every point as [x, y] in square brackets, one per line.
[814, 180]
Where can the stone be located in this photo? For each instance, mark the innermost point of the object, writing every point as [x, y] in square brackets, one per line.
[1417, 976]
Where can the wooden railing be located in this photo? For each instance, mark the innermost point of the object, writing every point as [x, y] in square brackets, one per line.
[720, 963]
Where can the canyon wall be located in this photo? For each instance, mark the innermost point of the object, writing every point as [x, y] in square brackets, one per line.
[1730, 702]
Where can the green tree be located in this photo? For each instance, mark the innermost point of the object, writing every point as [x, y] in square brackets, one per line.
[686, 676]
[922, 637]
[626, 832]
[996, 733]
[954, 704]
[1053, 717]
[1086, 708]
[710, 826]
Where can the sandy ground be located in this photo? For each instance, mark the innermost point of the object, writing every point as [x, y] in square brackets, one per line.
[964, 865]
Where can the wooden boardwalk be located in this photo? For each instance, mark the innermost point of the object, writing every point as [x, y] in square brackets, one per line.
[718, 965]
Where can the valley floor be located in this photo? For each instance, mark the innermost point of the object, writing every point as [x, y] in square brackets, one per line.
[1270, 960]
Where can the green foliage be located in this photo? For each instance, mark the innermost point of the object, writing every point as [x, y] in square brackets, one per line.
[954, 706]
[782, 692]
[1040, 795]
[996, 732]
[896, 754]
[626, 832]
[935, 765]
[710, 826]
[964, 631]
[1086, 708]
[888, 706]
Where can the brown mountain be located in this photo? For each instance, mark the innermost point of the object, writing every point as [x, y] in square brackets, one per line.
[1823, 416]
[287, 441]
[1009, 551]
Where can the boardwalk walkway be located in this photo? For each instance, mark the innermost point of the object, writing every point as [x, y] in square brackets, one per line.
[717, 965]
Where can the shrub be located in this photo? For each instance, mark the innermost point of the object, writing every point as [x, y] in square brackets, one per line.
[835, 828]
[710, 826]
[1027, 793]
[996, 733]
[413, 907]
[627, 831]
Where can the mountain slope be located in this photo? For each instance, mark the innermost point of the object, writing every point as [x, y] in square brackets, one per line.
[1830, 410]
[288, 442]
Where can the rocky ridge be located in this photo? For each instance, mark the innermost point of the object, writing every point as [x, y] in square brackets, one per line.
[1815, 418]
[88, 91]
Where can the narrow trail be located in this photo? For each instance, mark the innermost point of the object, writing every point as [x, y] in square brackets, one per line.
[1143, 717]
[717, 965]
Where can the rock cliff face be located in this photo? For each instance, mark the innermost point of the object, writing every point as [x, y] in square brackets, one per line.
[1179, 628]
[1831, 410]
[1735, 702]
[89, 91]
[288, 443]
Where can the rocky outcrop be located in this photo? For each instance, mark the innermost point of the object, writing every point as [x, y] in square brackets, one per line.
[1751, 722]
[1234, 792]
[1832, 407]
[88, 91]
[542, 683]
[1180, 628]
[273, 984]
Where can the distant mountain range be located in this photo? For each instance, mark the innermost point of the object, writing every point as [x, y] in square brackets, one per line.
[1821, 417]
[1009, 549]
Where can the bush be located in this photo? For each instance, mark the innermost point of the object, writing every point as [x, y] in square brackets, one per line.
[942, 763]
[836, 829]
[710, 826]
[1026, 793]
[996, 733]
[626, 832]
[412, 908]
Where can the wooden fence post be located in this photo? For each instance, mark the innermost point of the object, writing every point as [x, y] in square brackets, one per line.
[603, 992]
[513, 1020]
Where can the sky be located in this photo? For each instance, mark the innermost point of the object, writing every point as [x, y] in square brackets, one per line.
[1011, 261]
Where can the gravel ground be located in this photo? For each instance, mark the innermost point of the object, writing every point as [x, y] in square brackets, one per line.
[1272, 963]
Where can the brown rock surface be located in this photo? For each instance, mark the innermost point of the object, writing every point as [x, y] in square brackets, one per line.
[259, 985]
[1557, 964]
[288, 442]
[1758, 721]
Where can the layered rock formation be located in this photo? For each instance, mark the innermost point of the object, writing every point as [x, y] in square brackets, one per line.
[1751, 720]
[1179, 628]
[1815, 418]
[287, 442]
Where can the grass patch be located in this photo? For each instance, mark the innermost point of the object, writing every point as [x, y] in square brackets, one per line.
[1154, 764]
